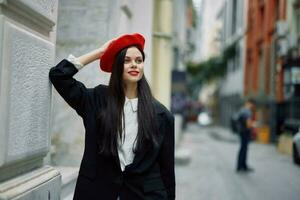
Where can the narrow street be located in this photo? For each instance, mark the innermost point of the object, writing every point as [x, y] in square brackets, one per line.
[211, 175]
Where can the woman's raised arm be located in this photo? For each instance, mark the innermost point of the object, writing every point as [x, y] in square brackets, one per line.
[74, 92]
[93, 55]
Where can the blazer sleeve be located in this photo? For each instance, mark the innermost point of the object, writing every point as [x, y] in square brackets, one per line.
[167, 157]
[72, 91]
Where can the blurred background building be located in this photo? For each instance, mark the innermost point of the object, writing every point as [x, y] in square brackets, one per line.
[271, 54]
[257, 45]
[232, 34]
[288, 62]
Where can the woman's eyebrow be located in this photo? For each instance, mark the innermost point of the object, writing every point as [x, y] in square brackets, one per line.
[133, 57]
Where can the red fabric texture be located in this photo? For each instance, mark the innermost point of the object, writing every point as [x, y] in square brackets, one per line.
[108, 57]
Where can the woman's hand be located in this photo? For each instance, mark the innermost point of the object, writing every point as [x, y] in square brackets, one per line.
[95, 54]
[102, 49]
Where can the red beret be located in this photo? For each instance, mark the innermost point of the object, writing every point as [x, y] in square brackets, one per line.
[108, 57]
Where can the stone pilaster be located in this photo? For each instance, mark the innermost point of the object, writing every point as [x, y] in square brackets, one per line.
[27, 45]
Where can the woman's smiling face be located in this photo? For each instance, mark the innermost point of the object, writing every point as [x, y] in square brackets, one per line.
[133, 65]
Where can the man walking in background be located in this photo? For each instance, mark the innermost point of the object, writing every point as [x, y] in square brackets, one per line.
[246, 123]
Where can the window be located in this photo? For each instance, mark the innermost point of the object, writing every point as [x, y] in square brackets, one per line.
[234, 17]
[297, 15]
[298, 21]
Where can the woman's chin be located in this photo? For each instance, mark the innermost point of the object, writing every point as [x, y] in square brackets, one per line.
[132, 80]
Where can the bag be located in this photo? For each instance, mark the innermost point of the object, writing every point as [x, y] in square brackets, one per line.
[235, 121]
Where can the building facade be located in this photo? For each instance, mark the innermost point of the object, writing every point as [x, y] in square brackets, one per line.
[233, 19]
[162, 50]
[263, 67]
[27, 51]
[288, 66]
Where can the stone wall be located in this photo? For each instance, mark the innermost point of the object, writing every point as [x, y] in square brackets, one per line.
[82, 27]
[27, 45]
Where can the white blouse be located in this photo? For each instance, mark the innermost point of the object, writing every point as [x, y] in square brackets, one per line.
[126, 144]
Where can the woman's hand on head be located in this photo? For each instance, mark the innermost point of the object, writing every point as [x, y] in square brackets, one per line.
[104, 47]
[95, 54]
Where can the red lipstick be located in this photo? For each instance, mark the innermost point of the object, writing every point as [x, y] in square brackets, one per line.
[133, 73]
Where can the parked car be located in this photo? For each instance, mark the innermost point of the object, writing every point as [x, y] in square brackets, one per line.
[296, 147]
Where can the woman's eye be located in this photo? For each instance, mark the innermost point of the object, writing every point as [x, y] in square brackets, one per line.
[127, 61]
[139, 61]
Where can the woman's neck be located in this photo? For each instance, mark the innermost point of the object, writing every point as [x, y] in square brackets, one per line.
[131, 91]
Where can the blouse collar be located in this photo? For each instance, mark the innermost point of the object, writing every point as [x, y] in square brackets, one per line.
[133, 103]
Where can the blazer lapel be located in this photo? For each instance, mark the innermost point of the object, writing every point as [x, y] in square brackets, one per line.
[141, 154]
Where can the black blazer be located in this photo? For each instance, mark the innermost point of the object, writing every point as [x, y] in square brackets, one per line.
[151, 175]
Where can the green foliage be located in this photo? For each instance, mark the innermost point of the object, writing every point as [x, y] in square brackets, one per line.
[211, 69]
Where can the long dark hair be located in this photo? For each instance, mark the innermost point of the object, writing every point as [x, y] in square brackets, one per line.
[110, 118]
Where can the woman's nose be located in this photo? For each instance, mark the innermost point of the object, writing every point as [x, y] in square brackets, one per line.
[134, 65]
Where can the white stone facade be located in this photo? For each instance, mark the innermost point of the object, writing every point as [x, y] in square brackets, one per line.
[234, 27]
[27, 45]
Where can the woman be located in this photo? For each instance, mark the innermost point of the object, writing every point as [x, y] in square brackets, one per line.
[129, 136]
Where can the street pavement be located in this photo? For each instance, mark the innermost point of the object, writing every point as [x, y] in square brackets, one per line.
[210, 174]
